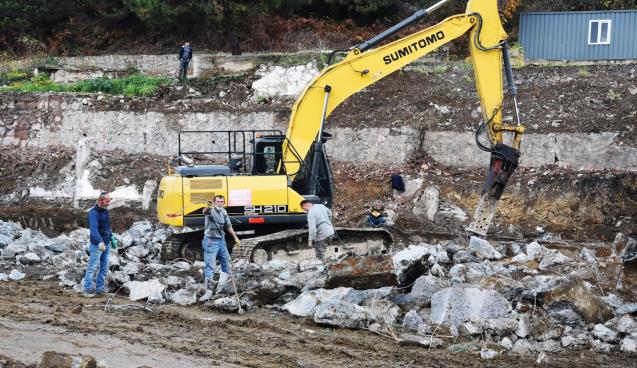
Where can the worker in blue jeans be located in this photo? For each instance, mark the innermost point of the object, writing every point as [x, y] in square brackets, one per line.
[217, 223]
[99, 249]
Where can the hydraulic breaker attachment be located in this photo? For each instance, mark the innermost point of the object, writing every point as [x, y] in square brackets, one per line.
[504, 160]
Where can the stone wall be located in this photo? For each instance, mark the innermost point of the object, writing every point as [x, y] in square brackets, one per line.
[44, 120]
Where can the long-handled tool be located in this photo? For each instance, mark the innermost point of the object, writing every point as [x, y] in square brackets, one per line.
[234, 284]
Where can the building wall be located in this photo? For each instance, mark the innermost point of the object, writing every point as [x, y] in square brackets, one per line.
[564, 36]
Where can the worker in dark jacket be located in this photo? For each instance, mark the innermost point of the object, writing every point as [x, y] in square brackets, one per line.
[99, 249]
[185, 55]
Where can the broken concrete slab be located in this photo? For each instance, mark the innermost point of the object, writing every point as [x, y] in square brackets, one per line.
[143, 289]
[369, 272]
[51, 359]
[417, 340]
[455, 305]
[483, 250]
[16, 275]
[342, 314]
[185, 296]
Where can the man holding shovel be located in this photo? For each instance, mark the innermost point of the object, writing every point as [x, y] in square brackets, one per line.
[217, 223]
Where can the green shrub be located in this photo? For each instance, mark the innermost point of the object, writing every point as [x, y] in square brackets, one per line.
[134, 85]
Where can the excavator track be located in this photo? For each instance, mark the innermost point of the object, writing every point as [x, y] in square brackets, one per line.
[288, 245]
[292, 245]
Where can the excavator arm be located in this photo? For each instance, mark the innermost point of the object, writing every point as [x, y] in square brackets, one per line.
[364, 66]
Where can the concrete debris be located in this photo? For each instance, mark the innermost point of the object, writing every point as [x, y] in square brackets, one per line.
[186, 296]
[362, 272]
[143, 289]
[16, 275]
[424, 341]
[517, 298]
[455, 305]
[483, 250]
[488, 353]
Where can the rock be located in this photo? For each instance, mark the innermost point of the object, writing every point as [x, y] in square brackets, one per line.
[506, 343]
[425, 287]
[522, 347]
[16, 275]
[500, 326]
[573, 341]
[119, 277]
[305, 304]
[520, 258]
[32, 258]
[604, 333]
[552, 258]
[589, 306]
[455, 305]
[138, 251]
[4, 240]
[411, 262]
[186, 296]
[13, 250]
[464, 256]
[342, 314]
[548, 346]
[65, 259]
[588, 255]
[619, 306]
[4, 277]
[412, 320]
[228, 304]
[457, 274]
[143, 289]
[629, 344]
[424, 341]
[564, 313]
[51, 359]
[274, 265]
[361, 297]
[470, 328]
[524, 326]
[428, 203]
[156, 298]
[535, 251]
[483, 249]
[131, 268]
[140, 229]
[206, 296]
[624, 324]
[488, 353]
[437, 270]
[600, 346]
[382, 311]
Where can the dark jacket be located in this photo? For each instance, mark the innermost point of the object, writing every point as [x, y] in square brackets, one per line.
[185, 53]
[100, 225]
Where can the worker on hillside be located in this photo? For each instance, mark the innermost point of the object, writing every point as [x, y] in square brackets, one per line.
[101, 237]
[319, 222]
[217, 223]
[185, 55]
[376, 215]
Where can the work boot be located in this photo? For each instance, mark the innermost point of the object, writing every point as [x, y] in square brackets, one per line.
[88, 294]
[210, 284]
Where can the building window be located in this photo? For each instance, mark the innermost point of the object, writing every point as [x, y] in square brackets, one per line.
[599, 32]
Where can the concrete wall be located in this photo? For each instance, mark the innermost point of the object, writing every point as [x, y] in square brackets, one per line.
[31, 120]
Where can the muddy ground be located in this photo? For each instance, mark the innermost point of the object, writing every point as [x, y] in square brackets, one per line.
[194, 336]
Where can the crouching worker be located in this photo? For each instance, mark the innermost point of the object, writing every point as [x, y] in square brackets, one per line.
[217, 223]
[376, 215]
[319, 223]
[99, 250]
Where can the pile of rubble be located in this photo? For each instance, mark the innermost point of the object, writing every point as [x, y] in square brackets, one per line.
[488, 297]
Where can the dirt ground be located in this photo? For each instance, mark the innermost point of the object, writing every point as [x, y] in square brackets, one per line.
[36, 311]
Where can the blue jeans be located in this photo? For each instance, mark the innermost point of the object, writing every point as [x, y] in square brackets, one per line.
[213, 247]
[96, 258]
[375, 221]
[183, 68]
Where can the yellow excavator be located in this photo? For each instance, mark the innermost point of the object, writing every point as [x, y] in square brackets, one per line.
[268, 173]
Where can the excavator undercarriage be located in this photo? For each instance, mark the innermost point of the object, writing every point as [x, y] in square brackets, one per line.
[288, 245]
